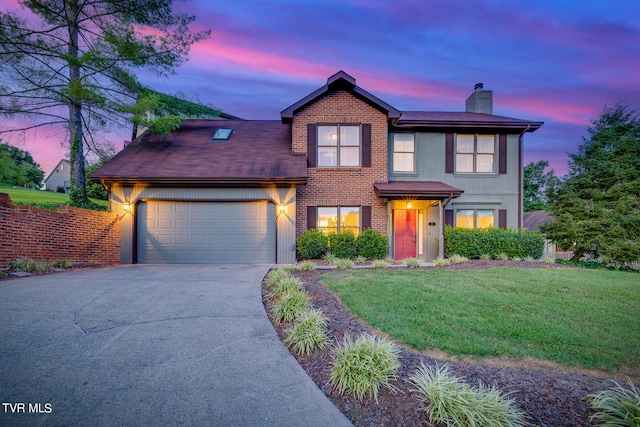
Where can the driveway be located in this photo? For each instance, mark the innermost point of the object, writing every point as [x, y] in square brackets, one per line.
[149, 345]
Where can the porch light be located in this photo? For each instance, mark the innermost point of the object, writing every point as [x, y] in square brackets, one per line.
[408, 205]
[281, 209]
[126, 206]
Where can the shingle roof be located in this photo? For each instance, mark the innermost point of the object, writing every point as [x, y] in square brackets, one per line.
[531, 221]
[417, 189]
[445, 119]
[256, 152]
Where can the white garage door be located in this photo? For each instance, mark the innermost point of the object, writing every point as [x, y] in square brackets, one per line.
[206, 232]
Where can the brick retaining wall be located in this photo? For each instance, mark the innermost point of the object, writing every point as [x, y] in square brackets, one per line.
[74, 234]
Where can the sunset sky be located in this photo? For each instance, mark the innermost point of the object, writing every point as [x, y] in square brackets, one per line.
[557, 61]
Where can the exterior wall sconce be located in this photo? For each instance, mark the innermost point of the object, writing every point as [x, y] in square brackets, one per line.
[408, 205]
[126, 206]
[281, 209]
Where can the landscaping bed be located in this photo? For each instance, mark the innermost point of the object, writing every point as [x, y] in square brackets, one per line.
[551, 395]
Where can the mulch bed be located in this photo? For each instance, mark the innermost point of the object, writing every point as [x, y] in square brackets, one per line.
[550, 396]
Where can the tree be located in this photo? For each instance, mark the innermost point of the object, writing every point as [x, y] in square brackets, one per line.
[536, 183]
[75, 67]
[596, 209]
[17, 167]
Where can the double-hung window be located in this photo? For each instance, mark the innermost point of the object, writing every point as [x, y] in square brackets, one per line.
[404, 152]
[475, 153]
[336, 219]
[338, 146]
[475, 218]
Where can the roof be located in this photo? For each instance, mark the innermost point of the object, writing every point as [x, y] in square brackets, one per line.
[531, 221]
[416, 189]
[339, 81]
[63, 161]
[443, 119]
[257, 152]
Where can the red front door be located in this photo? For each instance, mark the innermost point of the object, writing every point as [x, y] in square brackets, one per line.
[404, 229]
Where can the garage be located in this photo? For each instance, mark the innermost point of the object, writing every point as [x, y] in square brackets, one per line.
[193, 232]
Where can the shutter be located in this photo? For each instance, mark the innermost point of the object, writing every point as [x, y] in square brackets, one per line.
[366, 145]
[448, 160]
[312, 150]
[312, 217]
[502, 154]
[502, 219]
[448, 217]
[365, 219]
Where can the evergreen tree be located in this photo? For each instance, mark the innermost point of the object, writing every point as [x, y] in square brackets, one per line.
[536, 184]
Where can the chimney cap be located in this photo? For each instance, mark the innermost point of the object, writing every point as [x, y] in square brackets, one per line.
[478, 86]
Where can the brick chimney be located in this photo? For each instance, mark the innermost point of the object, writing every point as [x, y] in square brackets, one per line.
[480, 101]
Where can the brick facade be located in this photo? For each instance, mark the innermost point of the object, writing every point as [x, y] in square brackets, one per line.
[342, 186]
[77, 235]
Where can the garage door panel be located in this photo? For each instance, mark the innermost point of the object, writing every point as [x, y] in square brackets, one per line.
[206, 232]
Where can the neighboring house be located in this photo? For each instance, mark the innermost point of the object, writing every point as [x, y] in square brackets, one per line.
[60, 177]
[339, 159]
[532, 222]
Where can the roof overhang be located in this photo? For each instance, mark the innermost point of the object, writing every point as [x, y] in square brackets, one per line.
[418, 190]
[187, 181]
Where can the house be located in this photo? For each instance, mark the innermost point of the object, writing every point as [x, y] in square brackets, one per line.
[339, 159]
[59, 179]
[532, 222]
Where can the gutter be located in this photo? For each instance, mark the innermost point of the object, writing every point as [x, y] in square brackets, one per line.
[520, 175]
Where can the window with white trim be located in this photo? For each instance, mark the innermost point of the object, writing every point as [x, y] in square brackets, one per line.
[475, 218]
[336, 219]
[404, 152]
[475, 153]
[338, 146]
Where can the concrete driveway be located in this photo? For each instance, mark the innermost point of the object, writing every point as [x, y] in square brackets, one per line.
[149, 345]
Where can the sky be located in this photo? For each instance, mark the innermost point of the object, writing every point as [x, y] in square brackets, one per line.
[560, 62]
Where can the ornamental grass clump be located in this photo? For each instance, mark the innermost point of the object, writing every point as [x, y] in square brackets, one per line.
[442, 262]
[379, 263]
[412, 262]
[365, 365]
[276, 276]
[450, 401]
[283, 287]
[290, 307]
[616, 407]
[308, 333]
[458, 259]
[306, 265]
[344, 264]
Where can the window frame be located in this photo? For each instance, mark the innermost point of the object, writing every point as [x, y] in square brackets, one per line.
[339, 227]
[339, 145]
[476, 155]
[394, 152]
[475, 218]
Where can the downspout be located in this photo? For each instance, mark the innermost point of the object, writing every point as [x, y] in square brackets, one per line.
[520, 176]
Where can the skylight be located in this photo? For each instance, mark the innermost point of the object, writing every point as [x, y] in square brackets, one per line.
[222, 134]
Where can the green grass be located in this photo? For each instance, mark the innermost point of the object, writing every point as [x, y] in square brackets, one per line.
[45, 199]
[574, 317]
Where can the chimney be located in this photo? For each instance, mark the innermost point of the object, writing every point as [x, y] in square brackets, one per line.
[480, 101]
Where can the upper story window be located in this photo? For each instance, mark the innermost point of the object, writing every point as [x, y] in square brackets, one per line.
[404, 152]
[475, 153]
[475, 218]
[336, 219]
[338, 146]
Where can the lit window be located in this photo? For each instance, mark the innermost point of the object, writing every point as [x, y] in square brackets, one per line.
[339, 146]
[336, 219]
[475, 153]
[403, 152]
[475, 218]
[222, 134]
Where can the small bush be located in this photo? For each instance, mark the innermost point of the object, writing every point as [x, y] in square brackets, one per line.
[63, 263]
[412, 262]
[344, 264]
[275, 276]
[372, 244]
[448, 400]
[360, 259]
[306, 265]
[618, 406]
[313, 244]
[284, 287]
[529, 259]
[290, 307]
[343, 245]
[442, 262]
[330, 258]
[485, 256]
[380, 263]
[28, 265]
[549, 260]
[308, 333]
[502, 256]
[472, 243]
[365, 365]
[457, 259]
[516, 259]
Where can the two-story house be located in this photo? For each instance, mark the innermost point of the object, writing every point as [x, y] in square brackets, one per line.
[339, 159]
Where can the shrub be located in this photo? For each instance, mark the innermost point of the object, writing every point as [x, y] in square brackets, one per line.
[275, 276]
[330, 258]
[448, 400]
[284, 287]
[442, 262]
[549, 260]
[380, 263]
[529, 259]
[457, 259]
[360, 259]
[308, 333]
[306, 265]
[63, 263]
[365, 365]
[618, 406]
[290, 307]
[485, 256]
[372, 244]
[343, 245]
[28, 265]
[412, 262]
[502, 256]
[344, 264]
[313, 244]
[472, 243]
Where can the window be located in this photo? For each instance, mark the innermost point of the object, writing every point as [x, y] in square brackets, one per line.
[404, 152]
[339, 146]
[337, 219]
[222, 134]
[475, 218]
[475, 153]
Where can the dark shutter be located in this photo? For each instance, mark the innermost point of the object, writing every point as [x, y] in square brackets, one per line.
[366, 145]
[312, 217]
[502, 154]
[448, 217]
[448, 160]
[365, 211]
[502, 219]
[311, 145]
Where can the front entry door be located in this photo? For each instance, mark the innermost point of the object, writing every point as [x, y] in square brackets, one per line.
[404, 228]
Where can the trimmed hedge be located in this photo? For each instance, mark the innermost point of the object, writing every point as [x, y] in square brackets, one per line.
[372, 244]
[473, 243]
[343, 245]
[313, 244]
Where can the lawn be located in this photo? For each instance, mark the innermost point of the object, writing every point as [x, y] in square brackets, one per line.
[44, 199]
[575, 317]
